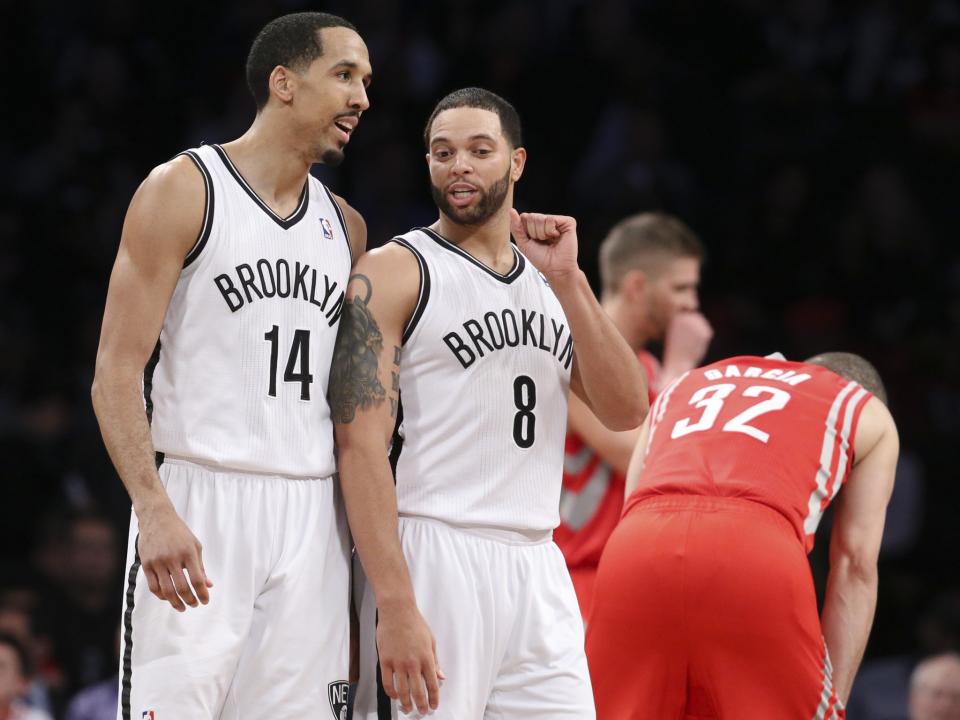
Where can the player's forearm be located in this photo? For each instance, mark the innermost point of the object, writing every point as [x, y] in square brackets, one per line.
[614, 448]
[371, 501]
[609, 370]
[848, 609]
[118, 404]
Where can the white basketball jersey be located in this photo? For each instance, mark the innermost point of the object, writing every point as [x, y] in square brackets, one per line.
[239, 379]
[484, 375]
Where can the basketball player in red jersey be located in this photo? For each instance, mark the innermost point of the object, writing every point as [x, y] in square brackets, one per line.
[704, 604]
[650, 269]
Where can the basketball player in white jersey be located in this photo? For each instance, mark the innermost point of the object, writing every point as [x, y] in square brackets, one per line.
[481, 340]
[237, 259]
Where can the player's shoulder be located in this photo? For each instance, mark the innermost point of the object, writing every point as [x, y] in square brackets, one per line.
[356, 225]
[875, 428]
[176, 185]
[391, 261]
[169, 205]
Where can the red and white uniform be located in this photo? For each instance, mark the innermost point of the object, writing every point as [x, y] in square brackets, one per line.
[591, 502]
[704, 605]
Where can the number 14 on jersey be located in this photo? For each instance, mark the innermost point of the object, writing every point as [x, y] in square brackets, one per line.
[298, 361]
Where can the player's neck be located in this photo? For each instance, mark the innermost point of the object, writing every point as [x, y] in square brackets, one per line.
[619, 312]
[489, 243]
[274, 165]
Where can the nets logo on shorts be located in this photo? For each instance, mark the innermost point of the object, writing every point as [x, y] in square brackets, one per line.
[338, 691]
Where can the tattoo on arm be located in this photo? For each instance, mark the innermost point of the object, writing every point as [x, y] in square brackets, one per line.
[354, 373]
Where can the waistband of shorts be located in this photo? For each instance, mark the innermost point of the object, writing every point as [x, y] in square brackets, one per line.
[222, 470]
[506, 536]
[709, 503]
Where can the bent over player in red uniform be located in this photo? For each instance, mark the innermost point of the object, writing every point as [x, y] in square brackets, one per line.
[704, 605]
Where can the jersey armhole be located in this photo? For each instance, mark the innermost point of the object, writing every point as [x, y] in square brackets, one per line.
[424, 294]
[207, 208]
[343, 221]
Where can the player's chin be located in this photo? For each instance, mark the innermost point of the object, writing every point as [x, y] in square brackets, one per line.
[332, 156]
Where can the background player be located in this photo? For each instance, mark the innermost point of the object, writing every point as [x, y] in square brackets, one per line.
[935, 688]
[478, 339]
[704, 602]
[237, 259]
[650, 272]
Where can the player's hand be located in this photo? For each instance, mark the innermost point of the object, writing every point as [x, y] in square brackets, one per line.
[408, 659]
[685, 345]
[548, 241]
[167, 548]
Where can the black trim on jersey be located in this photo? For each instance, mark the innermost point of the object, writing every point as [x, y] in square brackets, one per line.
[207, 208]
[424, 295]
[148, 381]
[343, 220]
[515, 272]
[287, 222]
[384, 709]
[127, 681]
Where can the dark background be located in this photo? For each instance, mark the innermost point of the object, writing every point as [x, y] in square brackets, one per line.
[812, 145]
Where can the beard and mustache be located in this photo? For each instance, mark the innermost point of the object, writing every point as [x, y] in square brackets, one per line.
[491, 200]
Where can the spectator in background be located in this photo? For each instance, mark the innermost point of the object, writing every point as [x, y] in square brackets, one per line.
[46, 677]
[935, 688]
[14, 677]
[650, 268]
[82, 609]
[97, 702]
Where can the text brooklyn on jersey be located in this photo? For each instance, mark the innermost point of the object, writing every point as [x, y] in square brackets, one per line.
[503, 329]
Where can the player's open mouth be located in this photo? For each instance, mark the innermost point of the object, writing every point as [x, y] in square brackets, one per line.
[346, 126]
[461, 194]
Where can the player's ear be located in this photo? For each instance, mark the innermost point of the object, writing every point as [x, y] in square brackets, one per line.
[633, 284]
[518, 160]
[282, 81]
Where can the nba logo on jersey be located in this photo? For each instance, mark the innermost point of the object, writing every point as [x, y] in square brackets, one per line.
[327, 228]
[147, 715]
[338, 691]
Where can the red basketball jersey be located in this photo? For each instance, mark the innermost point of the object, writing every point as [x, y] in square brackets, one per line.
[592, 498]
[772, 431]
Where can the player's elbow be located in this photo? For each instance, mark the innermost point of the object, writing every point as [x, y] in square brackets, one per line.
[629, 413]
[855, 564]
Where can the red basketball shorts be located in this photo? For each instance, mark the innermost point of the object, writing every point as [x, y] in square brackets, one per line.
[705, 608]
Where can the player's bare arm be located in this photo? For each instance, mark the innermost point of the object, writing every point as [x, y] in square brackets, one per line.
[851, 595]
[606, 374]
[635, 468]
[364, 396]
[356, 228]
[615, 447]
[161, 226]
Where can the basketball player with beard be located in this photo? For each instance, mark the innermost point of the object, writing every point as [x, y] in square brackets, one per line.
[236, 258]
[481, 339]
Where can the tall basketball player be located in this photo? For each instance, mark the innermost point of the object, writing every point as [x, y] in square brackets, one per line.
[237, 259]
[482, 340]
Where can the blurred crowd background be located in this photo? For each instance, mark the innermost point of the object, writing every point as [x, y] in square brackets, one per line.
[814, 146]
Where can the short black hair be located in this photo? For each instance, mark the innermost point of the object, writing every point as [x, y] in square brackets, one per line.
[19, 650]
[853, 367]
[474, 97]
[290, 40]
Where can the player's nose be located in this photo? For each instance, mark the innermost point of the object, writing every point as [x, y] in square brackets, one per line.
[360, 100]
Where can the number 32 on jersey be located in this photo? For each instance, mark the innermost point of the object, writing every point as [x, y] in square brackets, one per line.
[711, 400]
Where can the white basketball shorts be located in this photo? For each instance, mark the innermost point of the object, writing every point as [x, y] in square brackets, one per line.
[273, 642]
[505, 617]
